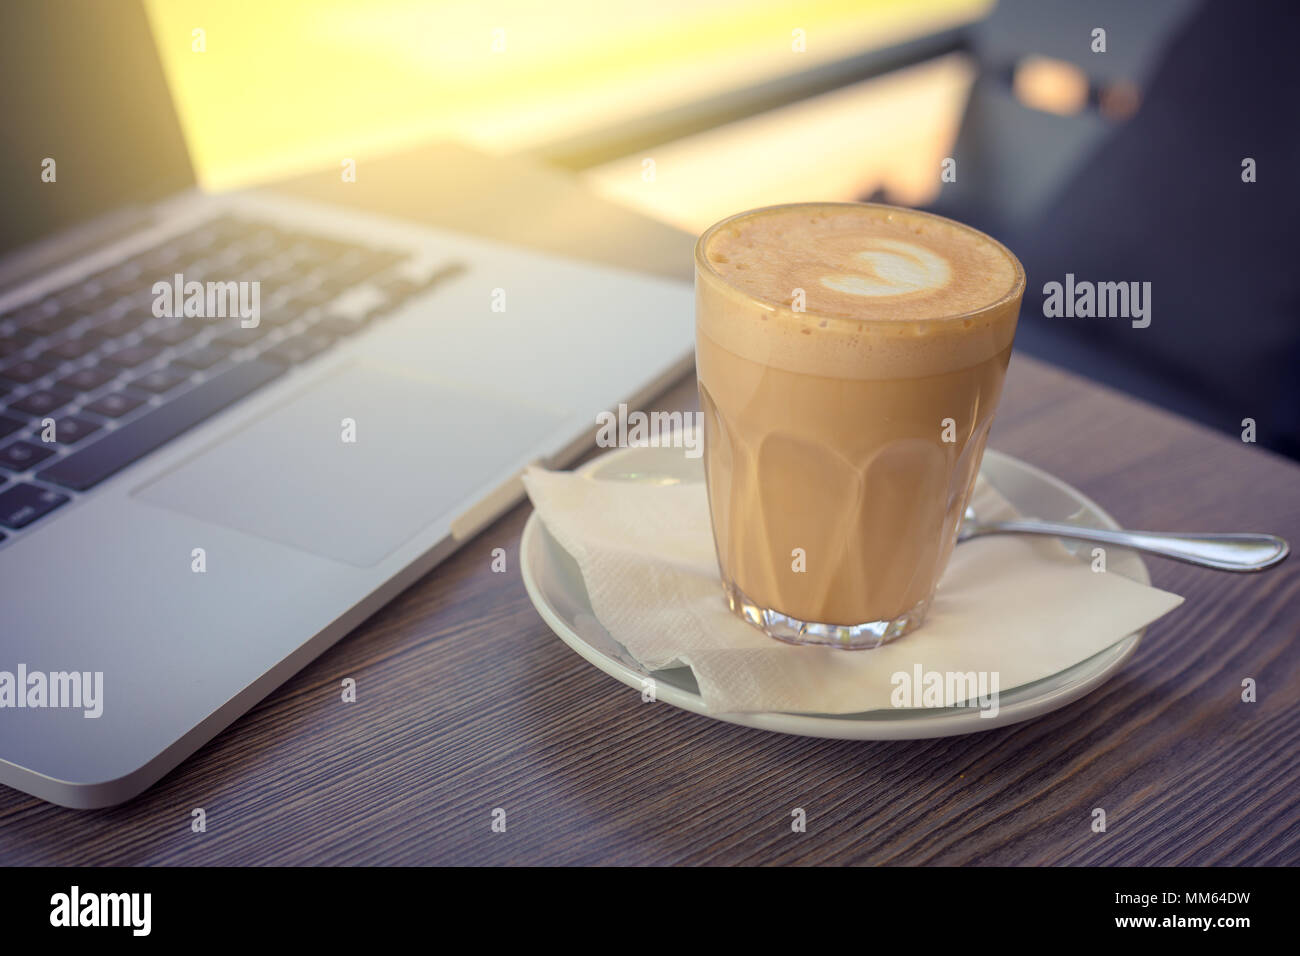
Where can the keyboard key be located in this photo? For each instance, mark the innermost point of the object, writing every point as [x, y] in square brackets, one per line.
[339, 326]
[238, 337]
[310, 298]
[300, 249]
[416, 276]
[326, 249]
[219, 230]
[74, 295]
[277, 284]
[89, 307]
[159, 259]
[249, 264]
[21, 455]
[15, 334]
[133, 356]
[10, 425]
[23, 504]
[138, 303]
[299, 348]
[25, 371]
[201, 358]
[91, 465]
[262, 237]
[87, 379]
[52, 324]
[71, 349]
[31, 312]
[115, 404]
[118, 278]
[70, 430]
[115, 328]
[398, 289]
[11, 345]
[42, 402]
[182, 331]
[161, 380]
[281, 316]
[359, 265]
[360, 303]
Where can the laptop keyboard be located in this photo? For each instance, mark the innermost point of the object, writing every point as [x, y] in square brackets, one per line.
[120, 382]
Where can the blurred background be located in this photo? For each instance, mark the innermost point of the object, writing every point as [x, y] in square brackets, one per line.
[1161, 149]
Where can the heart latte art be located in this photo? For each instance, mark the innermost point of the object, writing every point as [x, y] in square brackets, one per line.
[894, 267]
[861, 262]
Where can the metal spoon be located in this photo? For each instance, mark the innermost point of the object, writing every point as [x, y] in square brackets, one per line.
[1236, 551]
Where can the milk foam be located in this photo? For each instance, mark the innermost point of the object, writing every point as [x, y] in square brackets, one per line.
[885, 292]
[892, 267]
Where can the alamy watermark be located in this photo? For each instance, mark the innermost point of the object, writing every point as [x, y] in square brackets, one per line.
[651, 430]
[976, 689]
[82, 690]
[75, 908]
[208, 300]
[1081, 299]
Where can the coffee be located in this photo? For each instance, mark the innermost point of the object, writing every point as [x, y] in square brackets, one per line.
[850, 358]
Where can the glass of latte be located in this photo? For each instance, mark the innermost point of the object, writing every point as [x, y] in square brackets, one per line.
[850, 358]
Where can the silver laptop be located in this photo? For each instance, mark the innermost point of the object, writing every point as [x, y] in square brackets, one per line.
[232, 427]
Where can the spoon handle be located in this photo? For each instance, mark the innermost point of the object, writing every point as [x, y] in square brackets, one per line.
[1234, 551]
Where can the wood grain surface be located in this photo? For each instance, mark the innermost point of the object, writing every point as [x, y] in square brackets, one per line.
[467, 702]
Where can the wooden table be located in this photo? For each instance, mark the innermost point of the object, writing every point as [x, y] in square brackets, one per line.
[467, 703]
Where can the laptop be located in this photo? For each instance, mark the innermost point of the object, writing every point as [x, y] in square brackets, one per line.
[234, 426]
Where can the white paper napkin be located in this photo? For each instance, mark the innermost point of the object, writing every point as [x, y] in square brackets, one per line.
[1014, 608]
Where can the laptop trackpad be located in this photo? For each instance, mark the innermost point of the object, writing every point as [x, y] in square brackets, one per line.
[422, 448]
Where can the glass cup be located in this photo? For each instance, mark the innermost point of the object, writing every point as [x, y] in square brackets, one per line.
[840, 452]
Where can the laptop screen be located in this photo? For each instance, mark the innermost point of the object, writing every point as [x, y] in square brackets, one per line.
[81, 85]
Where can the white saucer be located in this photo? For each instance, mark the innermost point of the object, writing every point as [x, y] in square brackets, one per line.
[557, 591]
